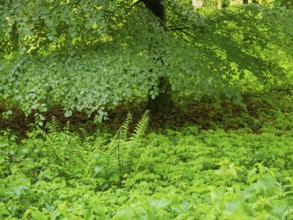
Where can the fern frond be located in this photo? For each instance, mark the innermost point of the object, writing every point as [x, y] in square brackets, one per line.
[141, 127]
[123, 130]
[99, 141]
[87, 181]
[67, 127]
[83, 133]
[76, 153]
[53, 126]
[125, 126]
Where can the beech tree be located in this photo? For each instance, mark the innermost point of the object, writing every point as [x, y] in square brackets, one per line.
[163, 101]
[90, 55]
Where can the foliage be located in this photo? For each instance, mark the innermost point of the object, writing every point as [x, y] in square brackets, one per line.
[187, 174]
[91, 55]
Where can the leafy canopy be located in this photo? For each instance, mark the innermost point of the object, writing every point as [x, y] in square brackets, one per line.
[86, 55]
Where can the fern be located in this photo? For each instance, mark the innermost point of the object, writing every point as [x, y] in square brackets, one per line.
[125, 149]
[67, 127]
[123, 130]
[83, 134]
[53, 126]
[77, 153]
[99, 141]
[141, 127]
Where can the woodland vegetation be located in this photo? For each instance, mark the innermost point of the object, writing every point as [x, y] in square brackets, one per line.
[147, 109]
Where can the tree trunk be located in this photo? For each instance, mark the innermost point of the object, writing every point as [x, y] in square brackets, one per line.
[225, 3]
[162, 103]
[15, 37]
[245, 1]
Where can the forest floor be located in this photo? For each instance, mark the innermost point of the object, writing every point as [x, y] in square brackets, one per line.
[206, 114]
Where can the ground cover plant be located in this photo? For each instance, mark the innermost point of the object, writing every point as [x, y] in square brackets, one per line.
[186, 174]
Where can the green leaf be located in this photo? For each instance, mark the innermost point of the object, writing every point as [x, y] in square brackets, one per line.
[68, 114]
[159, 204]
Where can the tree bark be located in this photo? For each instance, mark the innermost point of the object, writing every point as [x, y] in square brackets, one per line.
[15, 37]
[225, 3]
[162, 103]
[157, 7]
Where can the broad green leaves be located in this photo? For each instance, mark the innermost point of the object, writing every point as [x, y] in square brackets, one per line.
[35, 26]
[91, 55]
[179, 174]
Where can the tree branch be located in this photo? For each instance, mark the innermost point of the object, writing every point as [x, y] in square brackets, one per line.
[135, 3]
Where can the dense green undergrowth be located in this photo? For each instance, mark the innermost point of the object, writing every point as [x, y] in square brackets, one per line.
[186, 174]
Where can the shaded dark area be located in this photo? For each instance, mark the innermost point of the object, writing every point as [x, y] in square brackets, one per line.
[156, 7]
[206, 114]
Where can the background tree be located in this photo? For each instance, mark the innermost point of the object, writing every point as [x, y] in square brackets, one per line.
[163, 101]
[90, 55]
